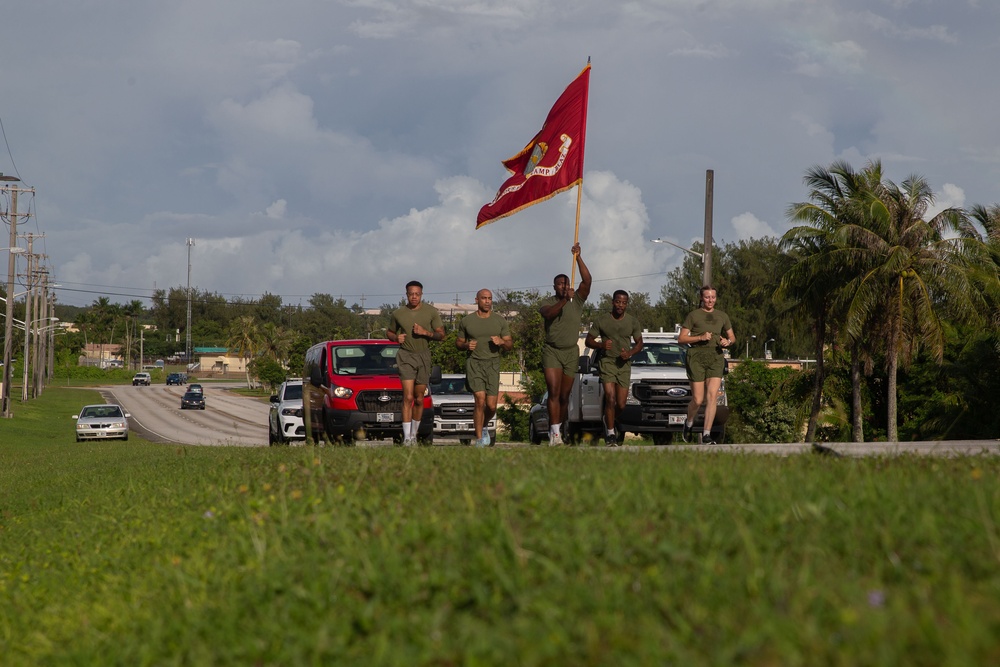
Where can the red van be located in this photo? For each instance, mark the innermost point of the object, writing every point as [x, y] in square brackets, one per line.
[351, 391]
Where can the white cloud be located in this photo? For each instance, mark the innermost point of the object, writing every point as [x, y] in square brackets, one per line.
[748, 226]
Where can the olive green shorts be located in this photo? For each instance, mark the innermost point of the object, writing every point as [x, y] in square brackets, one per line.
[704, 364]
[483, 375]
[615, 371]
[566, 358]
[414, 366]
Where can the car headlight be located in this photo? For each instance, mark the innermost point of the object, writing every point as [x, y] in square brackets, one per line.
[343, 392]
[80, 427]
[118, 425]
[292, 412]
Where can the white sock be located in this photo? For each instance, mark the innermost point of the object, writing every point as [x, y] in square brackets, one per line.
[414, 428]
[611, 432]
[556, 428]
[689, 423]
[406, 430]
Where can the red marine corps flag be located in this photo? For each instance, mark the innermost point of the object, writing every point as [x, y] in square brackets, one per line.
[551, 162]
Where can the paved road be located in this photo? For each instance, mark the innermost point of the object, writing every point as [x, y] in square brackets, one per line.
[228, 418]
[233, 419]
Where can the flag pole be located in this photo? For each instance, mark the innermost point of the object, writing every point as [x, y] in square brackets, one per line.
[576, 234]
[579, 190]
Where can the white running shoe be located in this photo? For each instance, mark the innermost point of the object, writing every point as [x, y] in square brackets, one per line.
[555, 439]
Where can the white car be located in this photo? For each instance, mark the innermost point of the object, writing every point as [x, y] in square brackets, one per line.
[141, 379]
[101, 422]
[284, 419]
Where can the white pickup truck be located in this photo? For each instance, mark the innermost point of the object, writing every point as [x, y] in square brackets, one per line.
[454, 406]
[657, 399]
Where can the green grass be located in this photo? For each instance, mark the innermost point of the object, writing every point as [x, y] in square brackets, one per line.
[135, 553]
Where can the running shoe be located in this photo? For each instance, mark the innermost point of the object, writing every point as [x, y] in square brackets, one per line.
[686, 433]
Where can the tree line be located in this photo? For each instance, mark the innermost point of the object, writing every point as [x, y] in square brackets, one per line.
[897, 314]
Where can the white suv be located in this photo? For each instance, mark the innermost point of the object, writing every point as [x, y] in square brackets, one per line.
[141, 379]
[284, 421]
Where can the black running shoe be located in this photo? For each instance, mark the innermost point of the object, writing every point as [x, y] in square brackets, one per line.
[611, 440]
[686, 433]
[707, 440]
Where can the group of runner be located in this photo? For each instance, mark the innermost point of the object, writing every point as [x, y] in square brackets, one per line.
[484, 335]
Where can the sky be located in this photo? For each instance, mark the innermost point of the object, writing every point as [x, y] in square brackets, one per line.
[345, 147]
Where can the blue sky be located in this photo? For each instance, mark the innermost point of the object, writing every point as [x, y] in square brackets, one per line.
[345, 146]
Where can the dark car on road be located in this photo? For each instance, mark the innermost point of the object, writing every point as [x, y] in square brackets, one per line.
[175, 378]
[193, 400]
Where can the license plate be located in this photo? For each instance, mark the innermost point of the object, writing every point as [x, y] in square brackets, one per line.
[676, 419]
[384, 417]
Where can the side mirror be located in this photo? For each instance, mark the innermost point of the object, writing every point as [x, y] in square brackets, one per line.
[274, 398]
[76, 416]
[584, 367]
[315, 376]
[128, 416]
[435, 374]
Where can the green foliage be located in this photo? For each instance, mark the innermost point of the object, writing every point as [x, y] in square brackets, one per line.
[514, 418]
[139, 553]
[763, 403]
[269, 371]
[447, 356]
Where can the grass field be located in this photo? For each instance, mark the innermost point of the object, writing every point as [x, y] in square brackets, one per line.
[136, 553]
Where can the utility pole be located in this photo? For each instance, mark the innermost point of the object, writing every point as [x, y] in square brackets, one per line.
[187, 345]
[41, 307]
[42, 340]
[29, 285]
[706, 278]
[9, 310]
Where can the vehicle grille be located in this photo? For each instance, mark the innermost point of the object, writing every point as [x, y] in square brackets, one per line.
[108, 425]
[368, 401]
[457, 410]
[662, 394]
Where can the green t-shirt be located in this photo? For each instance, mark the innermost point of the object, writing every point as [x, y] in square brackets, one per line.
[563, 331]
[403, 320]
[698, 322]
[621, 332]
[479, 329]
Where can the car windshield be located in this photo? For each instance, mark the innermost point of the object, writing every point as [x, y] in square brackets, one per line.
[101, 412]
[450, 386]
[365, 360]
[293, 392]
[660, 354]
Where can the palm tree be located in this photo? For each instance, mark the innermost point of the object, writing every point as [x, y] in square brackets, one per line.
[907, 273]
[244, 337]
[811, 285]
[275, 341]
[892, 275]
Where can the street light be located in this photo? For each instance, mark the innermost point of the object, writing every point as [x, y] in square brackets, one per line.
[699, 255]
[767, 355]
[748, 345]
